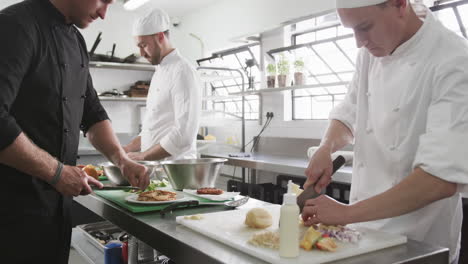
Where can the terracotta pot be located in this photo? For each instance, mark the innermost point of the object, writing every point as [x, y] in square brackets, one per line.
[271, 81]
[282, 80]
[298, 78]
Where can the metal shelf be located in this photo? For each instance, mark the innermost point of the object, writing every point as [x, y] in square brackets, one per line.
[288, 88]
[214, 77]
[121, 66]
[273, 90]
[219, 97]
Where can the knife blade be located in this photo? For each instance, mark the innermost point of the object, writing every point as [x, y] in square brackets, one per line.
[310, 192]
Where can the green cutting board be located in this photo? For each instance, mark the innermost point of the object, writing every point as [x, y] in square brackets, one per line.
[118, 197]
[102, 178]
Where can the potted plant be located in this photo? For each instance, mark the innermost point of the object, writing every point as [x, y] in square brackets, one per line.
[283, 71]
[299, 72]
[271, 69]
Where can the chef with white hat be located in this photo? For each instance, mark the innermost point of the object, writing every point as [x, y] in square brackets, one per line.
[173, 106]
[407, 112]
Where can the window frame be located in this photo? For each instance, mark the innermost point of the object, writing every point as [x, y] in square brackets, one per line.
[248, 102]
[438, 6]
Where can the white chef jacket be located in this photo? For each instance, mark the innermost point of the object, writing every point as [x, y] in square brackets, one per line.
[173, 108]
[408, 110]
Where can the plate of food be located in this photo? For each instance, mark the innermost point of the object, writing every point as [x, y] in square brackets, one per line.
[155, 197]
[213, 194]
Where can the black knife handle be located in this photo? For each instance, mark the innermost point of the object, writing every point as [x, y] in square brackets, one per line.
[337, 163]
[172, 206]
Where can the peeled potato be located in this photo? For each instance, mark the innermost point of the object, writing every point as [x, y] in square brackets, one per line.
[258, 218]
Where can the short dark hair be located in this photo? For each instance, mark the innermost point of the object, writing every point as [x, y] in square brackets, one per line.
[166, 33]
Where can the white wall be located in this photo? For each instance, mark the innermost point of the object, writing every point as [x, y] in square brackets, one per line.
[125, 115]
[218, 24]
[115, 28]
[227, 20]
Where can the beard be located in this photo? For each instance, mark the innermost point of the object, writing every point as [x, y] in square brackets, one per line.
[155, 58]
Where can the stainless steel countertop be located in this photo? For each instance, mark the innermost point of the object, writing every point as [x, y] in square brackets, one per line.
[186, 246]
[278, 164]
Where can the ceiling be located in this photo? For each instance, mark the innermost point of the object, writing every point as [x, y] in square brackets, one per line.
[178, 8]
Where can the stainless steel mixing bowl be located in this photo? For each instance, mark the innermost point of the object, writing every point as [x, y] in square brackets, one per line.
[192, 173]
[114, 174]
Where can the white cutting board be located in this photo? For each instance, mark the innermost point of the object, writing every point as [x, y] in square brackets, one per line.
[228, 227]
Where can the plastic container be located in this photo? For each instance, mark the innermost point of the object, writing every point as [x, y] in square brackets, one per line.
[289, 225]
[113, 253]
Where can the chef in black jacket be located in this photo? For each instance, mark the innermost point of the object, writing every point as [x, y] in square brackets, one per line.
[46, 97]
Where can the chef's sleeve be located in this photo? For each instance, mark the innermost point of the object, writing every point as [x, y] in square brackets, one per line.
[442, 148]
[186, 99]
[93, 111]
[346, 110]
[16, 55]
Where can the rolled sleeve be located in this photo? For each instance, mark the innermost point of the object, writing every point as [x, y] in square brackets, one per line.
[16, 55]
[93, 111]
[186, 100]
[442, 148]
[443, 154]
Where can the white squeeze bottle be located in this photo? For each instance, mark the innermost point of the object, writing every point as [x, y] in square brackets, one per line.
[289, 225]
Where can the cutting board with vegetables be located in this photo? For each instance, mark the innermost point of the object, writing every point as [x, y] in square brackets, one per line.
[228, 227]
[119, 196]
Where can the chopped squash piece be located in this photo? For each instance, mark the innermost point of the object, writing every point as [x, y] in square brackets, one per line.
[326, 244]
[310, 238]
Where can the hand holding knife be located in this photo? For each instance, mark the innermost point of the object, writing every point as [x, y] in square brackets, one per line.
[310, 192]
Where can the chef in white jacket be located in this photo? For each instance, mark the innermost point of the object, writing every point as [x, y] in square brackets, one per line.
[173, 106]
[407, 112]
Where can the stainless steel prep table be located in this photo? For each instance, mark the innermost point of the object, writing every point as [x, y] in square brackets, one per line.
[278, 164]
[186, 246]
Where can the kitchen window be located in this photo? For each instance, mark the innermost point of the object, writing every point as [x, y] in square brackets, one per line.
[329, 53]
[219, 96]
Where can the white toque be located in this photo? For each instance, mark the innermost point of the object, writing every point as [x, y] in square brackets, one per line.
[151, 23]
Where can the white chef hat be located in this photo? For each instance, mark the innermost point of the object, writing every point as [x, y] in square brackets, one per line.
[151, 23]
[357, 3]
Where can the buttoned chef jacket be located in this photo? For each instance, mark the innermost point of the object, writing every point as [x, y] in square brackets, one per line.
[46, 92]
[173, 108]
[408, 110]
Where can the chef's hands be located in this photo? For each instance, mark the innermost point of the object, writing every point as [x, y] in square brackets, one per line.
[325, 210]
[319, 170]
[136, 174]
[75, 181]
[136, 155]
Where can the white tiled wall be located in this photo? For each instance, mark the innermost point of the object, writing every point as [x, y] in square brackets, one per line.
[125, 115]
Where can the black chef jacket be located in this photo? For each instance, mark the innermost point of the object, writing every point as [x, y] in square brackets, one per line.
[47, 93]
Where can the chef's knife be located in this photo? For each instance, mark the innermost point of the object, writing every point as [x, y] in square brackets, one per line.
[310, 192]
